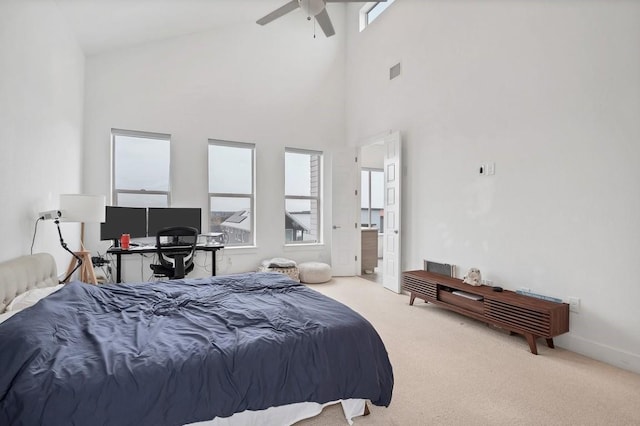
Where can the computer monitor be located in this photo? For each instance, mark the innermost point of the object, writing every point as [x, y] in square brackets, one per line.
[123, 220]
[173, 216]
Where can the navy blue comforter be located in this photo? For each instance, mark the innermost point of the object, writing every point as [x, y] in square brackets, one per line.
[171, 353]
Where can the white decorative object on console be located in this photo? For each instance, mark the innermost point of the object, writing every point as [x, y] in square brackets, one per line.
[473, 277]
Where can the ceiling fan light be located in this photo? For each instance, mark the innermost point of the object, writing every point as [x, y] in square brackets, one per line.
[312, 7]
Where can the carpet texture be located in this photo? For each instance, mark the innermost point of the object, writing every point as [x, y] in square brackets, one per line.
[453, 370]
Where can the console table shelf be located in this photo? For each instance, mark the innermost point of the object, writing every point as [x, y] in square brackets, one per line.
[529, 316]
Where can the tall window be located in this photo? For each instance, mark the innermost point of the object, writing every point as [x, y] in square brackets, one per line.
[231, 191]
[302, 194]
[140, 176]
[372, 199]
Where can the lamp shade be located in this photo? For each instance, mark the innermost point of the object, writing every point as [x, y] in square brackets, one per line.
[82, 208]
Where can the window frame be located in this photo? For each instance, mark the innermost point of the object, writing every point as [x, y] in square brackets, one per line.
[318, 199]
[139, 134]
[369, 7]
[251, 196]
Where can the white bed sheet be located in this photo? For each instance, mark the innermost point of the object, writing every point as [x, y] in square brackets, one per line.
[6, 315]
[27, 299]
[286, 414]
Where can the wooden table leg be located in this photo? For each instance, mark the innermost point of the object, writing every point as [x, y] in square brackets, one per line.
[86, 272]
[413, 297]
[531, 339]
[72, 265]
[550, 343]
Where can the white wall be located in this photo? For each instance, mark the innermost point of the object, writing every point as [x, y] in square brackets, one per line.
[550, 92]
[372, 156]
[41, 100]
[274, 86]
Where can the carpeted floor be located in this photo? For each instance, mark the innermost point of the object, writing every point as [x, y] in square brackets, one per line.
[452, 370]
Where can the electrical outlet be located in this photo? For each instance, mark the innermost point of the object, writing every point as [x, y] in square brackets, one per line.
[574, 304]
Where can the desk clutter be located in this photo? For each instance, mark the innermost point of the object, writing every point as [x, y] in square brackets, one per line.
[151, 249]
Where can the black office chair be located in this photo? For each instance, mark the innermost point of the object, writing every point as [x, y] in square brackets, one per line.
[176, 248]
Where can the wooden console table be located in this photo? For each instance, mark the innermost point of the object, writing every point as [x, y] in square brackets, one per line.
[526, 315]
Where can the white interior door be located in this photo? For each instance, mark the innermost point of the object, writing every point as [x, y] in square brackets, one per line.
[345, 241]
[392, 212]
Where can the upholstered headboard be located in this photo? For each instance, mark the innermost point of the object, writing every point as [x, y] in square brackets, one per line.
[25, 273]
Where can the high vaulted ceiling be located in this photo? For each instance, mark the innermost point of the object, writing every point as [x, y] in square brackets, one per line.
[103, 25]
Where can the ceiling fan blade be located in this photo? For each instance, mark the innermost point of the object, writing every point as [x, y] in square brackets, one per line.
[281, 11]
[325, 23]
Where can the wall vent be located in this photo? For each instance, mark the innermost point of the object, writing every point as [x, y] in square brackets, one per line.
[394, 71]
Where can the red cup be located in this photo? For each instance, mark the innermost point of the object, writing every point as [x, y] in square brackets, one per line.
[125, 239]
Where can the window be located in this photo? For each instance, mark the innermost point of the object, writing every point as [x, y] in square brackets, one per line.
[372, 199]
[371, 11]
[231, 191]
[302, 193]
[140, 176]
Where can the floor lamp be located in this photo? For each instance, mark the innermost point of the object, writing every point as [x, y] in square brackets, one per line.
[84, 209]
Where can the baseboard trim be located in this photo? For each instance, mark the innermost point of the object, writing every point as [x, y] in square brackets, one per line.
[614, 356]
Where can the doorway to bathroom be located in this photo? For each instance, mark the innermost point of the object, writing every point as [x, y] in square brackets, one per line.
[372, 211]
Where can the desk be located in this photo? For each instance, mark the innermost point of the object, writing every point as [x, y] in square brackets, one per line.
[118, 252]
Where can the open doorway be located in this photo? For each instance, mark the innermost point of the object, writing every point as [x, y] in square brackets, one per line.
[372, 211]
[346, 240]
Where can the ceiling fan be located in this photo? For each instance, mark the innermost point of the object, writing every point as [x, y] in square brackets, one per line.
[315, 8]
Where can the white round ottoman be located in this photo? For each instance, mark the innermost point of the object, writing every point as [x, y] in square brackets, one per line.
[314, 272]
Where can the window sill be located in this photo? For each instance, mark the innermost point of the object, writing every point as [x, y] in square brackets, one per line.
[299, 247]
[241, 249]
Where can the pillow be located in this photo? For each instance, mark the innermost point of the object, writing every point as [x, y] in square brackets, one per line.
[31, 297]
[281, 262]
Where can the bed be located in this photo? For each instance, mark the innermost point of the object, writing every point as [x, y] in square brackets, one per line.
[254, 348]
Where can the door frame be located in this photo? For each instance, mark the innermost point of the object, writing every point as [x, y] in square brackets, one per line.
[377, 139]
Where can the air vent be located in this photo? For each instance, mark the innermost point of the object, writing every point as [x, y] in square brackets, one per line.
[394, 71]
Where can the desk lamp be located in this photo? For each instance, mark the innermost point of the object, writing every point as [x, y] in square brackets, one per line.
[84, 209]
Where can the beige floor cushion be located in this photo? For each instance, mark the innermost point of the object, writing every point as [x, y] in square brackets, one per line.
[314, 272]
